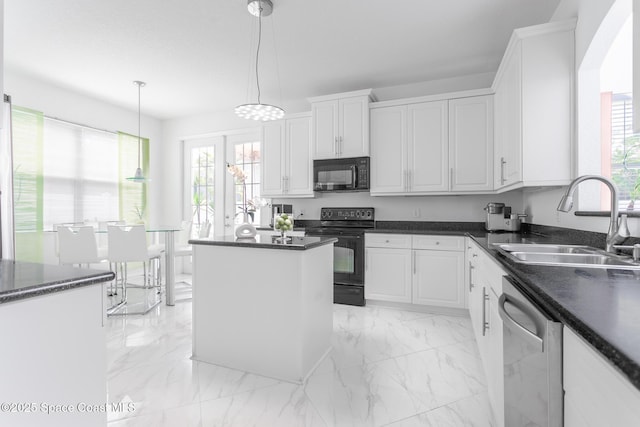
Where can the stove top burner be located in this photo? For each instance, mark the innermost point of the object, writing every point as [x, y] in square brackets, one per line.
[352, 216]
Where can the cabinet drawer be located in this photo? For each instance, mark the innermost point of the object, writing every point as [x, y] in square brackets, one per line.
[441, 243]
[387, 240]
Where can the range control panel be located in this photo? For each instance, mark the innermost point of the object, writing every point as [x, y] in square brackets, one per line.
[347, 214]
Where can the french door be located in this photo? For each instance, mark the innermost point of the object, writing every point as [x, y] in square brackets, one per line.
[211, 194]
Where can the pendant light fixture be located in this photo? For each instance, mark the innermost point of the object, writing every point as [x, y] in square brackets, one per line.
[259, 111]
[138, 177]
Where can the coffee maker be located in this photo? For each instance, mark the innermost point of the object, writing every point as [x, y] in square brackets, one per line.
[500, 218]
[280, 208]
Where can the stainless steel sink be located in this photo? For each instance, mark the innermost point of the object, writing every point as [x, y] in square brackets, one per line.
[546, 248]
[565, 255]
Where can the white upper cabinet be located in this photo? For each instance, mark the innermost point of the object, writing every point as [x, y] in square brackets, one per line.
[534, 91]
[427, 147]
[389, 149]
[471, 143]
[340, 125]
[434, 147]
[286, 158]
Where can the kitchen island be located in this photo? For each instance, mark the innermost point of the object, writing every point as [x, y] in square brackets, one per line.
[261, 306]
[53, 362]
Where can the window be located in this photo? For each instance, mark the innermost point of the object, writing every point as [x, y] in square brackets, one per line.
[620, 159]
[80, 170]
[68, 173]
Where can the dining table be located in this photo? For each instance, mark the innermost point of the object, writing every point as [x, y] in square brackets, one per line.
[169, 255]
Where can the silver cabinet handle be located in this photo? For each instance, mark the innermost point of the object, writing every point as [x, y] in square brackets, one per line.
[503, 162]
[335, 145]
[485, 301]
[509, 321]
[366, 257]
[414, 262]
[340, 146]
[471, 285]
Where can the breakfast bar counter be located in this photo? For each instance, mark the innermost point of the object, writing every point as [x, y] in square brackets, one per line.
[261, 306]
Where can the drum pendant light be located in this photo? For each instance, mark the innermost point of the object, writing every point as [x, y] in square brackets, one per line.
[259, 111]
[138, 177]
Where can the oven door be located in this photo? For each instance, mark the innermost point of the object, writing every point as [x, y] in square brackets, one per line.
[348, 264]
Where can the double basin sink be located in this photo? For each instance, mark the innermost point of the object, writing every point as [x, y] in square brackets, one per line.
[564, 255]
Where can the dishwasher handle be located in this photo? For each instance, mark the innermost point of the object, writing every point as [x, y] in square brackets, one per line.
[524, 333]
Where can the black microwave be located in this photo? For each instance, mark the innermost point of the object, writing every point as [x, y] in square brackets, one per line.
[350, 174]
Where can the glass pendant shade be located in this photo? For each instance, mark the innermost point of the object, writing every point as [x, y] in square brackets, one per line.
[263, 112]
[138, 177]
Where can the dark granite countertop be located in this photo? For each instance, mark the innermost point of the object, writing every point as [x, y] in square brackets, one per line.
[20, 280]
[601, 305]
[267, 242]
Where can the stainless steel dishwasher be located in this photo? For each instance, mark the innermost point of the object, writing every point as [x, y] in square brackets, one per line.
[532, 361]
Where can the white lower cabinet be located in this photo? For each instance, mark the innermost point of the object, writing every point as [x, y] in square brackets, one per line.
[484, 286]
[595, 393]
[417, 269]
[438, 278]
[388, 274]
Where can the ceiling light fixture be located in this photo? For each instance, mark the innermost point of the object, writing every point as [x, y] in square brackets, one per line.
[138, 177]
[259, 111]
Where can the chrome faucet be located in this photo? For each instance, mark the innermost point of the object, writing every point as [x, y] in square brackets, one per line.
[616, 233]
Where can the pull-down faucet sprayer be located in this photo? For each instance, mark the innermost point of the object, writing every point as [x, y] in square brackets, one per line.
[616, 233]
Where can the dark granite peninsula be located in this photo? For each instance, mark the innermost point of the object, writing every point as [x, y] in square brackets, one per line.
[19, 280]
[53, 344]
[262, 306]
[294, 243]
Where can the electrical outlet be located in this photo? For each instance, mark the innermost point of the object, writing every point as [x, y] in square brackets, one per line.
[416, 213]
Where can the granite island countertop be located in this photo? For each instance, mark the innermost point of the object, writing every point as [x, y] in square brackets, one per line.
[20, 280]
[602, 305]
[295, 243]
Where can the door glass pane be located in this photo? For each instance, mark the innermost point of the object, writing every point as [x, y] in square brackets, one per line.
[202, 187]
[247, 158]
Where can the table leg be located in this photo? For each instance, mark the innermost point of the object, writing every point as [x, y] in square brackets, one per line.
[170, 279]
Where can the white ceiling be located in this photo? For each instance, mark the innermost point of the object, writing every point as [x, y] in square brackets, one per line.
[196, 55]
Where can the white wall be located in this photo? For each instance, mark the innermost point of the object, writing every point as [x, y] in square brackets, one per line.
[71, 106]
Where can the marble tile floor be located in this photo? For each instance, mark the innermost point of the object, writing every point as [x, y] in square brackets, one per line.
[387, 368]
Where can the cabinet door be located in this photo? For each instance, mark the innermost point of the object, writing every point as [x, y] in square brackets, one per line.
[595, 393]
[427, 147]
[547, 108]
[299, 179]
[475, 301]
[325, 129]
[438, 278]
[389, 149]
[273, 158]
[388, 274]
[353, 133]
[508, 123]
[494, 365]
[471, 143]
